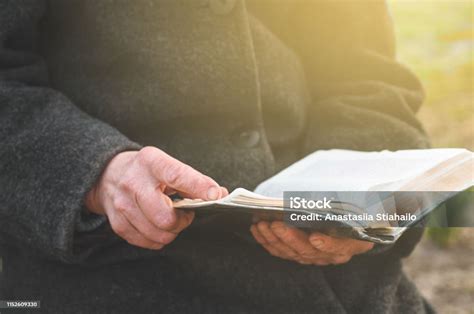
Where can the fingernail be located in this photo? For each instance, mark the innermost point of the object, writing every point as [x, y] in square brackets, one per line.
[213, 193]
[317, 242]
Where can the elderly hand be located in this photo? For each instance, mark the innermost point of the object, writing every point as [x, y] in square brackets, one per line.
[316, 248]
[132, 193]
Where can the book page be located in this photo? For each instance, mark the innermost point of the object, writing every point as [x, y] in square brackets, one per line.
[346, 170]
[238, 198]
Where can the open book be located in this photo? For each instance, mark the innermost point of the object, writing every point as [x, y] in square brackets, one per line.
[407, 183]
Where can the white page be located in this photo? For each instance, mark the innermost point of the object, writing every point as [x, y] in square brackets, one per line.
[346, 170]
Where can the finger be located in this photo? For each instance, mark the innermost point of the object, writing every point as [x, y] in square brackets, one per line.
[304, 261]
[360, 246]
[126, 231]
[257, 236]
[138, 220]
[261, 240]
[295, 239]
[157, 208]
[180, 176]
[327, 244]
[321, 262]
[333, 259]
[273, 241]
[275, 252]
[224, 191]
[339, 246]
[318, 261]
[340, 259]
[185, 218]
[299, 241]
[169, 191]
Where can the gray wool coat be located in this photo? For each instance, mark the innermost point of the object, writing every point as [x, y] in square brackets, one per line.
[238, 90]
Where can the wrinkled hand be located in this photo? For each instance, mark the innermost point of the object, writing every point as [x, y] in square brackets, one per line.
[132, 193]
[316, 248]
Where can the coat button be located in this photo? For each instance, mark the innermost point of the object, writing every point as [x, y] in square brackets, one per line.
[248, 139]
[221, 6]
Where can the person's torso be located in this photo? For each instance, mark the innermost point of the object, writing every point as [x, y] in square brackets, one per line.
[203, 80]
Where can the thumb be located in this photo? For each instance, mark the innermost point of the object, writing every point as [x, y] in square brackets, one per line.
[184, 179]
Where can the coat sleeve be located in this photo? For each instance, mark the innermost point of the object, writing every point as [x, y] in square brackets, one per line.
[51, 153]
[362, 97]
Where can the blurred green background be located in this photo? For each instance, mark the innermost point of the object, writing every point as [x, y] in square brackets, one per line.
[435, 39]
